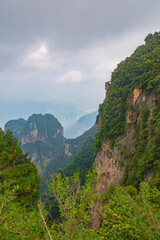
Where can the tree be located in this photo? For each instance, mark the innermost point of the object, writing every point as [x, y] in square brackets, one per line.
[75, 204]
[17, 172]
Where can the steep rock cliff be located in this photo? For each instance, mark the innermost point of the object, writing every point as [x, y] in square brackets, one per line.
[128, 137]
[128, 140]
[40, 128]
[39, 137]
[112, 160]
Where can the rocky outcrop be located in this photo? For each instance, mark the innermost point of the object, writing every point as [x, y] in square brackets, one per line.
[40, 128]
[111, 162]
[67, 152]
[136, 94]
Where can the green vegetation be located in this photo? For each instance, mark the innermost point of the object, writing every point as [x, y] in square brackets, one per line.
[140, 70]
[61, 160]
[77, 143]
[82, 162]
[17, 172]
[126, 213]
[19, 192]
[145, 160]
[47, 125]
[131, 215]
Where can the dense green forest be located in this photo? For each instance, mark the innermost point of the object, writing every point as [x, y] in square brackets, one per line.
[128, 211]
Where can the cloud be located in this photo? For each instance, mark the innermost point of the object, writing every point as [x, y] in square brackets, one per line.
[71, 77]
[47, 46]
[40, 58]
[72, 24]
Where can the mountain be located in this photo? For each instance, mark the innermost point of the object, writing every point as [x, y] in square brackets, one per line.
[40, 127]
[128, 139]
[39, 136]
[81, 126]
[42, 137]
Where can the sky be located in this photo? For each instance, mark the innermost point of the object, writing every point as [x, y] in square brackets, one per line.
[65, 50]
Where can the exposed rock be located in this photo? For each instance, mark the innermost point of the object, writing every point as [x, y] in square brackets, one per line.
[111, 162]
[136, 94]
[149, 176]
[107, 84]
[67, 152]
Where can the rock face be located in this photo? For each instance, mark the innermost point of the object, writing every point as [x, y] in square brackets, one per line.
[67, 152]
[112, 161]
[128, 140]
[41, 128]
[39, 137]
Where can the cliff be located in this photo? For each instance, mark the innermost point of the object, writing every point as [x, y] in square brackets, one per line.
[39, 137]
[113, 160]
[40, 128]
[128, 140]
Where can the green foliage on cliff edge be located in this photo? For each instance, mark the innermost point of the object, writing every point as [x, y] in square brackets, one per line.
[140, 70]
[145, 161]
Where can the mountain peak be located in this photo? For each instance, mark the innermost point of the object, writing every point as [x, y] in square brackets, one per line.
[41, 127]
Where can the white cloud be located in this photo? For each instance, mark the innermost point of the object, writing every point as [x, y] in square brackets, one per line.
[41, 58]
[71, 77]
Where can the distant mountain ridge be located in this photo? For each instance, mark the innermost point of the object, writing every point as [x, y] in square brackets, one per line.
[42, 137]
[82, 125]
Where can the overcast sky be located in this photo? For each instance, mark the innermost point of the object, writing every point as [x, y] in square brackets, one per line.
[67, 49]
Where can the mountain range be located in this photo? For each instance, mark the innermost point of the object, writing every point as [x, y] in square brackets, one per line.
[41, 136]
